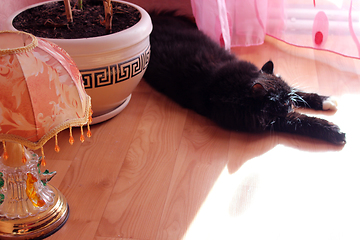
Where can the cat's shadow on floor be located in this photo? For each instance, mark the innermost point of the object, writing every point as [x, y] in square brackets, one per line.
[247, 146]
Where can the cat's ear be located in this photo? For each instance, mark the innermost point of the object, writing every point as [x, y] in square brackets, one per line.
[258, 90]
[268, 67]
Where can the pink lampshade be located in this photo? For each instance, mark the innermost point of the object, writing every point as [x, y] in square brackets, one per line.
[41, 90]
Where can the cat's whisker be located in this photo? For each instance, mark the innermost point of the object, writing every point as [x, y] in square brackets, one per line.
[295, 98]
[295, 85]
[271, 128]
[298, 82]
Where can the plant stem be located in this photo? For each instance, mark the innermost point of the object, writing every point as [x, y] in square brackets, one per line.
[108, 15]
[68, 10]
[80, 4]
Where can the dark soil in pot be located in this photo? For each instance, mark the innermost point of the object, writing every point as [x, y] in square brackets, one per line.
[49, 20]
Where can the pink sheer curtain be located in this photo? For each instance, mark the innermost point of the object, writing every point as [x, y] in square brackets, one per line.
[332, 25]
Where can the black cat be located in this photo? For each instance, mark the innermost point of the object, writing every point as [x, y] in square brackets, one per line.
[197, 73]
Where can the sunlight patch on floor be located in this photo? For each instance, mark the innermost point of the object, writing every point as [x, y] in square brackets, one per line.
[285, 193]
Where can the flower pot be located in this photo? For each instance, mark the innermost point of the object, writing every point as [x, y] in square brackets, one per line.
[111, 65]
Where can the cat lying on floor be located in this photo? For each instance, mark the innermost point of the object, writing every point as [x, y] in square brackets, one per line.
[191, 69]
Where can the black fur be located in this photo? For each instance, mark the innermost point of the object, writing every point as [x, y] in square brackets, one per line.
[197, 73]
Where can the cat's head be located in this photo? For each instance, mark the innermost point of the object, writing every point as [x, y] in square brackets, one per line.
[269, 89]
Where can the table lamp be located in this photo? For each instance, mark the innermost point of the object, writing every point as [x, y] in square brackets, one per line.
[41, 94]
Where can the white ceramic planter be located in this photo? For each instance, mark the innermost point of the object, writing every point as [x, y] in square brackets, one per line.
[111, 65]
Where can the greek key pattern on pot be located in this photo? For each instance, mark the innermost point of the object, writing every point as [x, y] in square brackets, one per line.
[104, 76]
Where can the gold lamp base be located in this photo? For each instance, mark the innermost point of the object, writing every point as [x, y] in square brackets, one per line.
[40, 226]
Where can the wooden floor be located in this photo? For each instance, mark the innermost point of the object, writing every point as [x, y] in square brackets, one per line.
[158, 171]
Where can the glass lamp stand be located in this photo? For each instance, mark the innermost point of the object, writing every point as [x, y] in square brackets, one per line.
[30, 208]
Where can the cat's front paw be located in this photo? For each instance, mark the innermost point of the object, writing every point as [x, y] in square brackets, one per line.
[329, 103]
[336, 136]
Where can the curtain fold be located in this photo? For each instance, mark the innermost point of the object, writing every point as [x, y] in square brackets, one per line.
[332, 25]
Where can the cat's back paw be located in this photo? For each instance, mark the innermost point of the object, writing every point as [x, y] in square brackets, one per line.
[330, 103]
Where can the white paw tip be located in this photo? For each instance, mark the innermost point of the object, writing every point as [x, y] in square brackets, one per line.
[330, 104]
